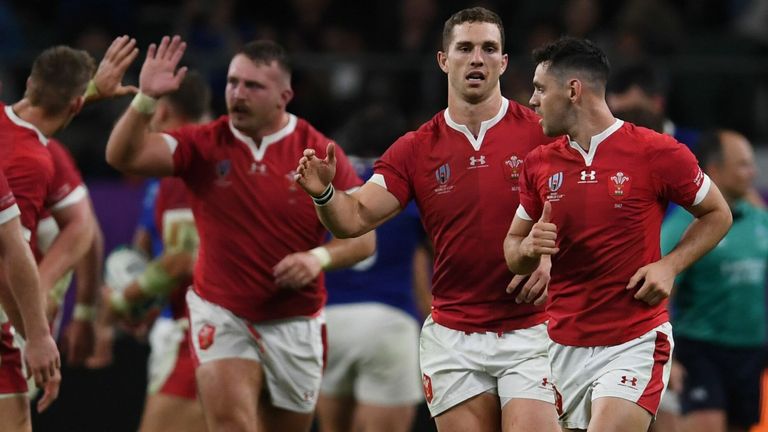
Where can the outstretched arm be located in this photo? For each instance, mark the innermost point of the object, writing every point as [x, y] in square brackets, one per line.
[131, 147]
[345, 215]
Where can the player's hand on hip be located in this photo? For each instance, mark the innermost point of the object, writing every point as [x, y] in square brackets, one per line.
[653, 282]
[314, 174]
[42, 358]
[159, 75]
[297, 270]
[109, 75]
[542, 239]
[535, 288]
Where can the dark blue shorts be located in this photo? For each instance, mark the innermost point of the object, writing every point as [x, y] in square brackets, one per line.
[721, 378]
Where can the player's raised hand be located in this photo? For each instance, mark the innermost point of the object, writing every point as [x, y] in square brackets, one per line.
[315, 174]
[655, 280]
[109, 75]
[543, 236]
[159, 75]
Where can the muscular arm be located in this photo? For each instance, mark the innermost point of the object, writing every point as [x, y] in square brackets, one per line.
[88, 269]
[348, 252]
[132, 149]
[22, 278]
[351, 215]
[713, 219]
[73, 241]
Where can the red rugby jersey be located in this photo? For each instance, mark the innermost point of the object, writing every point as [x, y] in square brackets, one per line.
[467, 190]
[250, 213]
[608, 205]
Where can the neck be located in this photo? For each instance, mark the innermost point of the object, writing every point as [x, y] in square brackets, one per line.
[273, 126]
[34, 115]
[590, 119]
[472, 115]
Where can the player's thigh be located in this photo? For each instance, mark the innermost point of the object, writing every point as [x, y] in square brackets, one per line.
[378, 418]
[480, 413]
[164, 413]
[521, 415]
[613, 414]
[387, 367]
[335, 413]
[229, 391]
[14, 413]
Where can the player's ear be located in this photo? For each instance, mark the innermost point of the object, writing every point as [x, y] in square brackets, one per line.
[287, 96]
[77, 104]
[442, 61]
[575, 88]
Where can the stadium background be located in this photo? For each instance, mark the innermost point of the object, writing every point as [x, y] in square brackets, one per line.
[351, 57]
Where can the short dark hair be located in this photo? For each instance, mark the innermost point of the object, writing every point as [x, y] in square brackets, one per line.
[569, 53]
[642, 75]
[265, 52]
[193, 97]
[709, 147]
[58, 75]
[471, 15]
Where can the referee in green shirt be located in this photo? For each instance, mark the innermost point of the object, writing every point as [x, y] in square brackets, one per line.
[719, 304]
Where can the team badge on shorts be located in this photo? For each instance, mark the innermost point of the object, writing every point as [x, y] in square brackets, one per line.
[205, 336]
[426, 381]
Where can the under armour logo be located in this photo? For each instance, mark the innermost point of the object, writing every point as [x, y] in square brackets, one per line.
[588, 175]
[632, 381]
[473, 160]
[544, 382]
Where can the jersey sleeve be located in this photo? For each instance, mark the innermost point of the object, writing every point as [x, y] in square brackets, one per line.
[676, 172]
[184, 145]
[67, 186]
[8, 207]
[394, 170]
[530, 202]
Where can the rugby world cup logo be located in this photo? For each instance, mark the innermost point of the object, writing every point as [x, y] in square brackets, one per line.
[443, 174]
[555, 181]
[223, 168]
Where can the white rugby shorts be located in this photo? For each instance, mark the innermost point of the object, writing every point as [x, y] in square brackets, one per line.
[373, 354]
[637, 370]
[458, 365]
[291, 351]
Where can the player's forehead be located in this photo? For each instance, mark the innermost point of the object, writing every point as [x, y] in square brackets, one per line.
[541, 75]
[242, 67]
[475, 33]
